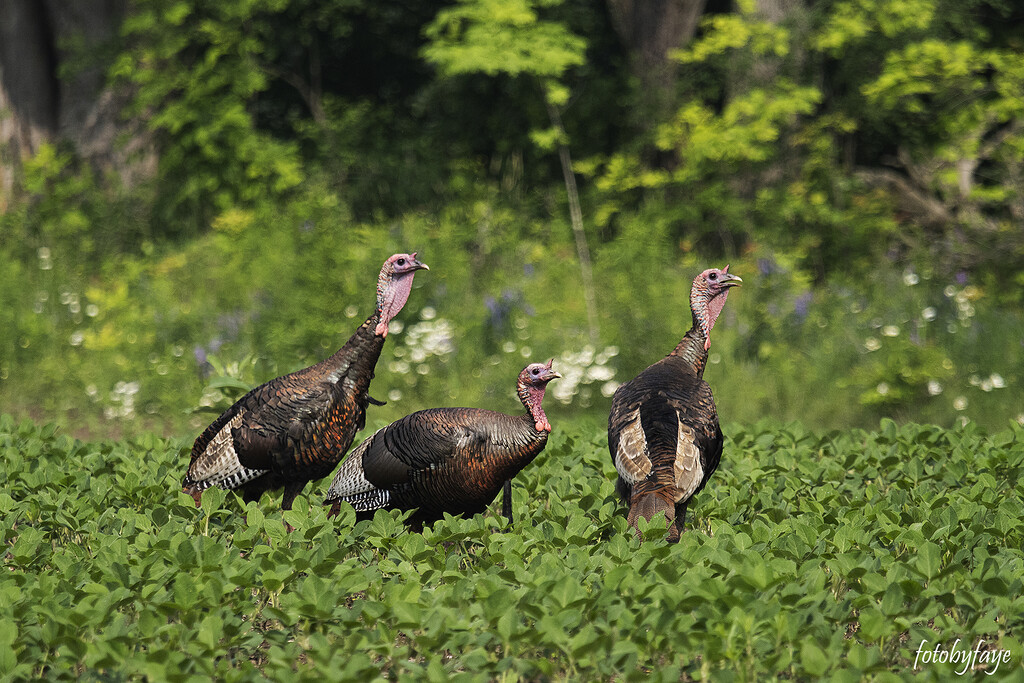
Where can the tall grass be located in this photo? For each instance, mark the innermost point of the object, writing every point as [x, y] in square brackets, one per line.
[122, 343]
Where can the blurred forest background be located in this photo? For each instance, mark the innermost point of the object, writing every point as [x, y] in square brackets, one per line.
[197, 196]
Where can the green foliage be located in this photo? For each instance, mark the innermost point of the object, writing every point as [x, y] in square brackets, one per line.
[271, 291]
[195, 68]
[828, 152]
[494, 36]
[70, 207]
[786, 119]
[853, 549]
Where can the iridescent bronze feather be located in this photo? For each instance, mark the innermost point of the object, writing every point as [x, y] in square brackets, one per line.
[440, 460]
[296, 428]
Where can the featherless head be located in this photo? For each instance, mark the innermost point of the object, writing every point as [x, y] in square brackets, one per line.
[707, 298]
[538, 374]
[393, 287]
[531, 385]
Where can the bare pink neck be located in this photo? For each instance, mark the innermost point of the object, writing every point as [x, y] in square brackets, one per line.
[392, 293]
[532, 397]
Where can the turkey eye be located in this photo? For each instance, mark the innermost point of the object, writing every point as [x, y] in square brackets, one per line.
[400, 261]
[713, 276]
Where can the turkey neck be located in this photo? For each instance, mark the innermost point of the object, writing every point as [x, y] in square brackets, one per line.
[704, 309]
[532, 396]
[692, 349]
[358, 357]
[392, 293]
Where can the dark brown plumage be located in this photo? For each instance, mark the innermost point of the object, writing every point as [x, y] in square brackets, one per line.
[296, 428]
[452, 460]
[663, 430]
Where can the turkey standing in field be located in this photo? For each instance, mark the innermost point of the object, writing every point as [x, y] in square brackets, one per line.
[452, 460]
[296, 428]
[663, 430]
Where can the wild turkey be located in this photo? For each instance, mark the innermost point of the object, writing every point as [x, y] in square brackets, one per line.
[296, 428]
[452, 460]
[663, 430]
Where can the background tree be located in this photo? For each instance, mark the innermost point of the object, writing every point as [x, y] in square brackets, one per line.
[857, 161]
[497, 37]
[53, 87]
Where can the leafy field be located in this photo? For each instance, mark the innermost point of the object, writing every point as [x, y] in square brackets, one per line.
[812, 555]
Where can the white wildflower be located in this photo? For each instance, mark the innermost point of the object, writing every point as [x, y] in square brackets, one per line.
[934, 388]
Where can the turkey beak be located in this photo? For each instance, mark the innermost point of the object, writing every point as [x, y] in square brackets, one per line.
[730, 280]
[549, 374]
[418, 265]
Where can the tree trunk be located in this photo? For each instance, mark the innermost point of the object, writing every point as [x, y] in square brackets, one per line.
[54, 57]
[28, 87]
[650, 29]
[763, 71]
[766, 68]
[576, 219]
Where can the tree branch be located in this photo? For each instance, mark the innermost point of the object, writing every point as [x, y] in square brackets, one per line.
[576, 217]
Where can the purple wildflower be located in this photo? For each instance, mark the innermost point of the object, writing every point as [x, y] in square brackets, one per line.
[766, 266]
[802, 305]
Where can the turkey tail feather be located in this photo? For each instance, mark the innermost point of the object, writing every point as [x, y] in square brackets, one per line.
[649, 504]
